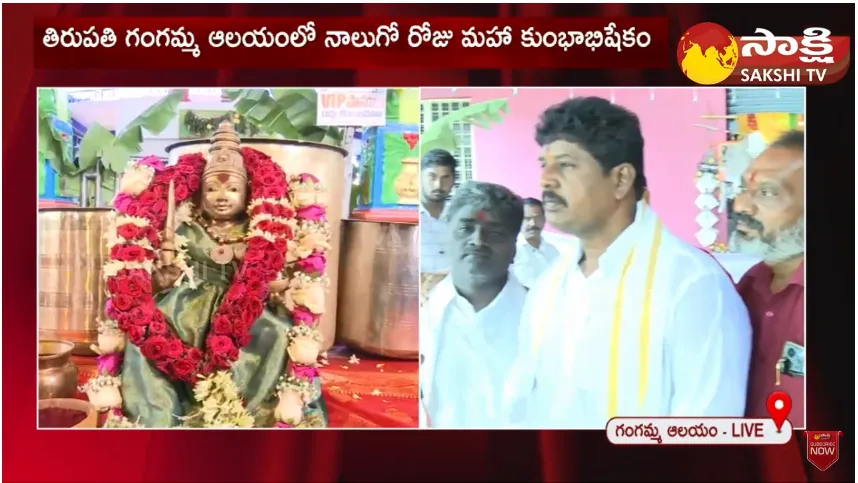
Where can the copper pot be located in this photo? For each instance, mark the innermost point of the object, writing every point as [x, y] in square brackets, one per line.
[325, 162]
[72, 253]
[379, 299]
[91, 420]
[57, 373]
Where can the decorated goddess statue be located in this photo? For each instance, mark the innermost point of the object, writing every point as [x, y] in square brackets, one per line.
[216, 280]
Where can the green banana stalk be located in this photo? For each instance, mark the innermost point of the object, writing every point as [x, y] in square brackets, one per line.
[284, 114]
[440, 135]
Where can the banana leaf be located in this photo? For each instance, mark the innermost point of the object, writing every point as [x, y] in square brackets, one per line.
[284, 113]
[53, 145]
[42, 174]
[392, 108]
[440, 135]
[396, 149]
[115, 151]
[154, 120]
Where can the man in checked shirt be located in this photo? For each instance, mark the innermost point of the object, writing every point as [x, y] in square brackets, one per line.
[438, 172]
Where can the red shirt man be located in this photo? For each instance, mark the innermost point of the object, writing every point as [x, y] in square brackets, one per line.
[778, 322]
[769, 216]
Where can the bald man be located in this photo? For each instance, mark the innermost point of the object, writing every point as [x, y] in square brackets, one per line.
[769, 215]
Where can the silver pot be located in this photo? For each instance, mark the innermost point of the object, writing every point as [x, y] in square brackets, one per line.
[71, 283]
[378, 294]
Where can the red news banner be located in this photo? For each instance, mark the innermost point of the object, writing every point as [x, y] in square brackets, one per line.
[351, 43]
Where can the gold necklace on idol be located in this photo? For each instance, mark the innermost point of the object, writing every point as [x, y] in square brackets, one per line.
[228, 248]
[614, 348]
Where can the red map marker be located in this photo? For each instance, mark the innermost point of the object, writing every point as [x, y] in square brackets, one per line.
[779, 405]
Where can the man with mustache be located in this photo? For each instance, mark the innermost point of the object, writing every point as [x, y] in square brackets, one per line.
[634, 322]
[469, 324]
[534, 254]
[438, 173]
[769, 216]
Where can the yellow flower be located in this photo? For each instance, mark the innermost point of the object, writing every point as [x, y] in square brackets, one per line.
[304, 350]
[312, 241]
[202, 389]
[304, 195]
[136, 179]
[312, 296]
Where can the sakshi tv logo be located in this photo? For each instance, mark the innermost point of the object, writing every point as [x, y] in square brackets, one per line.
[709, 54]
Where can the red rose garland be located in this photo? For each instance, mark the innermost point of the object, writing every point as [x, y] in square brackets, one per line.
[131, 301]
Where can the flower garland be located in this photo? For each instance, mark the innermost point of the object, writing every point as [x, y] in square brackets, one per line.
[306, 258]
[141, 210]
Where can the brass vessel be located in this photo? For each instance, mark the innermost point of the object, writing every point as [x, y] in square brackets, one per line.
[71, 287]
[57, 373]
[379, 298]
[325, 162]
[91, 420]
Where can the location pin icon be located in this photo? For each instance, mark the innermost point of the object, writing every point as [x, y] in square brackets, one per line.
[779, 405]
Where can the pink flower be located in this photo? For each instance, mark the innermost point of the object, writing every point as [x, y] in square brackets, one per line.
[121, 202]
[312, 213]
[109, 363]
[281, 424]
[307, 178]
[305, 372]
[153, 162]
[302, 316]
[110, 310]
[314, 264]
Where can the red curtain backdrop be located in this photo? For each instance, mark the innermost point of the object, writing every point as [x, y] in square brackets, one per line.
[380, 455]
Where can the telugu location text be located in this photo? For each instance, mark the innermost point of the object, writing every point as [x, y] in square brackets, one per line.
[783, 74]
[705, 431]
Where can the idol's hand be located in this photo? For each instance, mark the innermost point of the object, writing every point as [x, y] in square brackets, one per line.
[277, 292]
[164, 277]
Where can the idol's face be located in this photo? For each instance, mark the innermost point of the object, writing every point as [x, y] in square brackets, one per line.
[577, 195]
[483, 246]
[436, 183]
[769, 210]
[224, 196]
[534, 222]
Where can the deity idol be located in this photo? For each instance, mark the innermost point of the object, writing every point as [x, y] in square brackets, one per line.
[216, 281]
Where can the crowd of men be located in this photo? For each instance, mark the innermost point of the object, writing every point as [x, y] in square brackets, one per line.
[632, 321]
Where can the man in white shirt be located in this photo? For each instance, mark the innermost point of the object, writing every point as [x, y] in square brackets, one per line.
[469, 324]
[635, 322]
[438, 172]
[534, 254]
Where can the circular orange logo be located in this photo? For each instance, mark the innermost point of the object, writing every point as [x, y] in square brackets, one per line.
[707, 53]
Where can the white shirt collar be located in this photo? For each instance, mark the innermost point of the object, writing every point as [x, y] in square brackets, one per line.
[422, 209]
[522, 241]
[616, 253]
[445, 293]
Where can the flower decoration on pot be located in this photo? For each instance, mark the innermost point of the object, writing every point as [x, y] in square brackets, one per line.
[293, 394]
[103, 392]
[307, 192]
[311, 237]
[305, 345]
[110, 338]
[306, 293]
